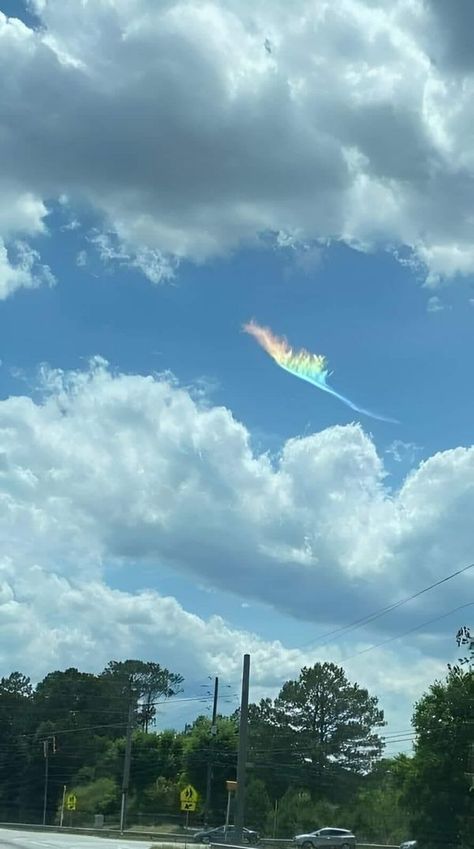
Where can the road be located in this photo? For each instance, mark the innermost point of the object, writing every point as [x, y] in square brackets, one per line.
[15, 839]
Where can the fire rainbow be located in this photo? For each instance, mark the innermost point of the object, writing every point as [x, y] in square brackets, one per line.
[302, 364]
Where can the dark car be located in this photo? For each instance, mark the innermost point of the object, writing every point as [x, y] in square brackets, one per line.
[217, 835]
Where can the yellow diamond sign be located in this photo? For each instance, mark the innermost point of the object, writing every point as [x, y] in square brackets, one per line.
[71, 802]
[188, 798]
[189, 794]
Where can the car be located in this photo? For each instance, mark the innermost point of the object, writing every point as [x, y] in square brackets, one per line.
[408, 844]
[217, 835]
[326, 837]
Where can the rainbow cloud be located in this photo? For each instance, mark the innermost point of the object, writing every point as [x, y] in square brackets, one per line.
[302, 364]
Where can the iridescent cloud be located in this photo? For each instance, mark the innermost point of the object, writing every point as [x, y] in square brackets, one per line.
[302, 364]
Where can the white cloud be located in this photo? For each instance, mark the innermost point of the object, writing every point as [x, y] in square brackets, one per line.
[48, 621]
[151, 262]
[133, 468]
[72, 225]
[127, 470]
[23, 271]
[403, 452]
[20, 212]
[435, 304]
[192, 128]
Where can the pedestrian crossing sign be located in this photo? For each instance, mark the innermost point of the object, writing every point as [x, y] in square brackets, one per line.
[71, 802]
[188, 798]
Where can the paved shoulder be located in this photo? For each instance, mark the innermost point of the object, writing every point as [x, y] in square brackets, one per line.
[17, 839]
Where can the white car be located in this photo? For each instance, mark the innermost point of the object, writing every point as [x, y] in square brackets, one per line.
[326, 837]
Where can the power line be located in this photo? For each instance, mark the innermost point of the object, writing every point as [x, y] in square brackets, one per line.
[370, 617]
[409, 631]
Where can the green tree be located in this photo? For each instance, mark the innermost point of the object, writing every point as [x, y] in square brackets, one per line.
[334, 719]
[71, 699]
[378, 813]
[15, 717]
[153, 756]
[465, 640]
[269, 747]
[257, 805]
[299, 813]
[161, 797]
[200, 747]
[76, 710]
[101, 796]
[17, 685]
[144, 683]
[322, 728]
[439, 796]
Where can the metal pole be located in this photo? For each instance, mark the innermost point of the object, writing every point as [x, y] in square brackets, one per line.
[207, 805]
[122, 812]
[46, 776]
[214, 706]
[227, 816]
[61, 820]
[242, 751]
[275, 819]
[126, 767]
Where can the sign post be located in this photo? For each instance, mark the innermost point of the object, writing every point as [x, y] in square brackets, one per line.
[188, 799]
[231, 788]
[61, 819]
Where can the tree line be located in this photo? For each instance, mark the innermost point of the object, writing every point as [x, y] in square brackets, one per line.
[316, 754]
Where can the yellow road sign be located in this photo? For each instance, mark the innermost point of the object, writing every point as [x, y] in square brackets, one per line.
[71, 802]
[189, 794]
[188, 806]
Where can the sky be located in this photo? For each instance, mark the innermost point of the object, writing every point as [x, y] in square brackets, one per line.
[169, 171]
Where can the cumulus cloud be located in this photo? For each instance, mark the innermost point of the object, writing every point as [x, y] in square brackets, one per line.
[112, 251]
[130, 471]
[47, 619]
[192, 128]
[21, 268]
[127, 468]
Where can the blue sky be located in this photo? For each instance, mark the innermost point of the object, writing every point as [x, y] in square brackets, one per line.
[149, 208]
[365, 312]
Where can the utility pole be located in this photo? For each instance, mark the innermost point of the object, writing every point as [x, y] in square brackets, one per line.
[61, 819]
[207, 806]
[242, 752]
[46, 777]
[46, 742]
[126, 766]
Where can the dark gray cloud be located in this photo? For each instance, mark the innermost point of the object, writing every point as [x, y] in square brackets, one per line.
[189, 137]
[454, 29]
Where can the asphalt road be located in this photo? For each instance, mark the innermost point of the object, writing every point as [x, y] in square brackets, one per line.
[15, 839]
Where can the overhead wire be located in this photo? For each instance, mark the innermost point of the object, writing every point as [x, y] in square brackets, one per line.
[371, 617]
[409, 631]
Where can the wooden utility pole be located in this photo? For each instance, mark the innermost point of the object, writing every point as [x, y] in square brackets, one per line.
[126, 766]
[207, 806]
[242, 751]
[46, 778]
